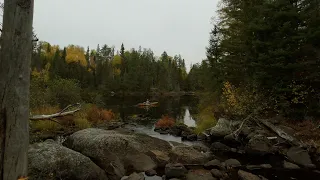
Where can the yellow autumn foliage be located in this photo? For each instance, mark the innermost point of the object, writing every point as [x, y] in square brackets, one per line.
[76, 54]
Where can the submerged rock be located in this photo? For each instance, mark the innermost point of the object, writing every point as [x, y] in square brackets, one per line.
[49, 160]
[243, 175]
[175, 170]
[199, 175]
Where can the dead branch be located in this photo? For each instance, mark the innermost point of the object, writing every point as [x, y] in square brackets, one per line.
[64, 112]
[237, 132]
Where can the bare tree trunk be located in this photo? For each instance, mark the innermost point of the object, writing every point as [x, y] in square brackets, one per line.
[15, 58]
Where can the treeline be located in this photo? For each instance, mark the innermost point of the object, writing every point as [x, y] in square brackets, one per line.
[264, 55]
[71, 74]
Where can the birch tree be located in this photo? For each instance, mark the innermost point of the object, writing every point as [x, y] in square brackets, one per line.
[15, 57]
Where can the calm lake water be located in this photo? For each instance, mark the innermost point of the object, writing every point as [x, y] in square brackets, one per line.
[181, 108]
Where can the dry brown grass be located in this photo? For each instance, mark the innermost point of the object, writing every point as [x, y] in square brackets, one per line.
[165, 122]
[307, 131]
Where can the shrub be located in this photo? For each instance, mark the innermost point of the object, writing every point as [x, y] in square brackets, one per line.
[64, 92]
[165, 121]
[205, 120]
[107, 115]
[96, 114]
[82, 123]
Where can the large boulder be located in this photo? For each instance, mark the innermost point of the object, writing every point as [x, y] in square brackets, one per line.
[175, 171]
[108, 148]
[259, 144]
[199, 175]
[221, 129]
[49, 160]
[188, 155]
[219, 147]
[299, 156]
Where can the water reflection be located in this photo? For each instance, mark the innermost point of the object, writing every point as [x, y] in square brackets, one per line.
[187, 118]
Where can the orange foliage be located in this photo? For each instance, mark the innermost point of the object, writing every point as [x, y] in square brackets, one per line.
[107, 115]
[95, 114]
[165, 121]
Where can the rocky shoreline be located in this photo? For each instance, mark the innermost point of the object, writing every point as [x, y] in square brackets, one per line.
[248, 153]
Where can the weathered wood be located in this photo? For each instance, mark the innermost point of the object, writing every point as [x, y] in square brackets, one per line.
[15, 58]
[64, 112]
[280, 132]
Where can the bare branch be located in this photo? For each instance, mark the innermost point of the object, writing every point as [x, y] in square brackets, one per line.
[64, 112]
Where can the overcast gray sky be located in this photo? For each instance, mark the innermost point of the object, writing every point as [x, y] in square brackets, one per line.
[176, 26]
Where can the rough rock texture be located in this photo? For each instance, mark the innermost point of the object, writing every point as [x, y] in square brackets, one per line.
[134, 176]
[221, 129]
[218, 146]
[159, 157]
[49, 160]
[217, 173]
[259, 144]
[151, 172]
[213, 164]
[109, 148]
[299, 156]
[188, 155]
[289, 165]
[232, 163]
[199, 175]
[139, 162]
[243, 175]
[175, 170]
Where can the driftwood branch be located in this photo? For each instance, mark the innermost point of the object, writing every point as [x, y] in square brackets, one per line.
[64, 112]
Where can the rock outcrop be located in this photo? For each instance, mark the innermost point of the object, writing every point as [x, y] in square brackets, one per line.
[49, 160]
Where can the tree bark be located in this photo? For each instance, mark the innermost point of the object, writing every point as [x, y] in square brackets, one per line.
[15, 58]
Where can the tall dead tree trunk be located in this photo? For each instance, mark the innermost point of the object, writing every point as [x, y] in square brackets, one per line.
[15, 58]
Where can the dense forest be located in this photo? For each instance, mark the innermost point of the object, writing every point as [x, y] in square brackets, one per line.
[263, 56]
[72, 74]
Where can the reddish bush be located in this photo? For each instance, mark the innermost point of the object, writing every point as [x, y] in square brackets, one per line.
[165, 121]
[107, 115]
[95, 114]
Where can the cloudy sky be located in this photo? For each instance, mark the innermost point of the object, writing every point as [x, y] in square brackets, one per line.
[176, 26]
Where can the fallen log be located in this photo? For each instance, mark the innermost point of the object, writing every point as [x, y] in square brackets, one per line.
[280, 132]
[64, 112]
